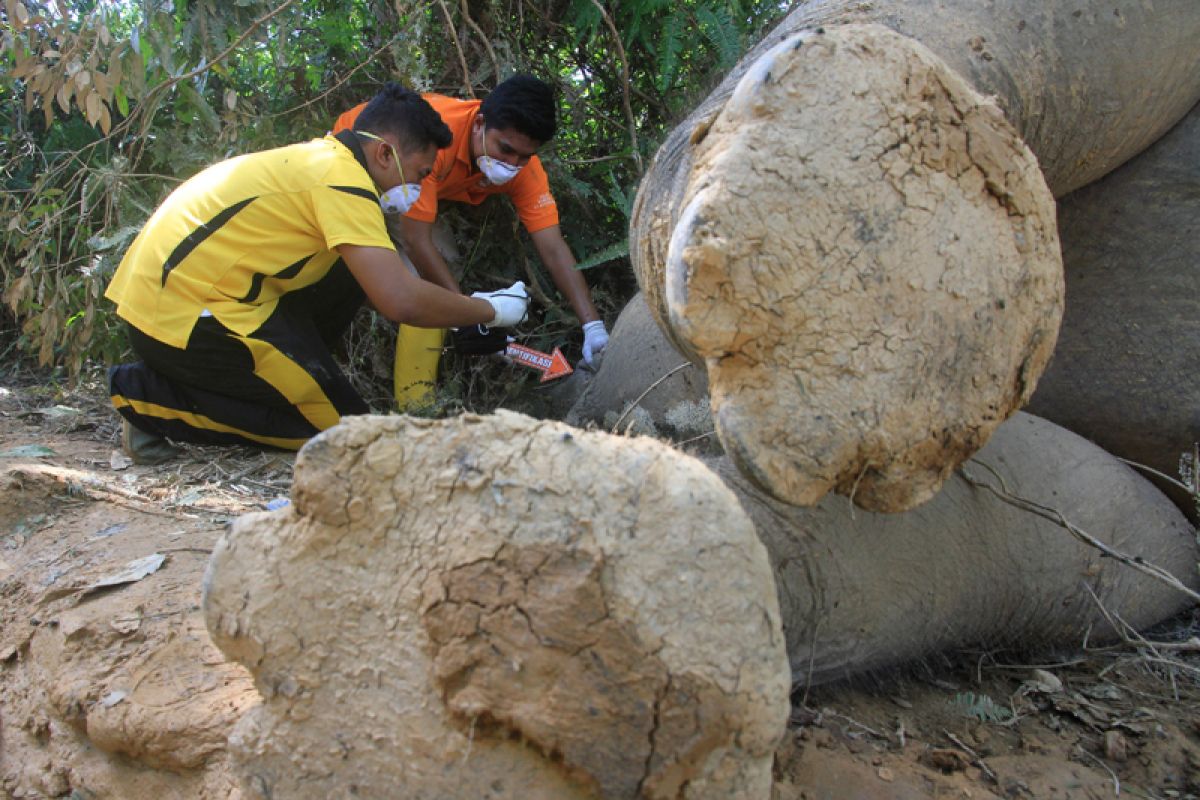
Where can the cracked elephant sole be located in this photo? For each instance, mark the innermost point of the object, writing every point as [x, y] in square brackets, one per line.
[866, 261]
[501, 607]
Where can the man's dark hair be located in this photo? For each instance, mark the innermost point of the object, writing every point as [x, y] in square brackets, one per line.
[523, 103]
[406, 115]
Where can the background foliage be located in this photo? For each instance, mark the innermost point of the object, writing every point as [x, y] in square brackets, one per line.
[106, 105]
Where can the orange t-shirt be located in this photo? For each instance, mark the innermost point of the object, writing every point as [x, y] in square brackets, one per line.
[455, 177]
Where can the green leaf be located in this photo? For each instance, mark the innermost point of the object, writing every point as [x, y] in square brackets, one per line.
[613, 251]
[584, 19]
[718, 27]
[122, 100]
[981, 707]
[622, 199]
[668, 51]
[204, 111]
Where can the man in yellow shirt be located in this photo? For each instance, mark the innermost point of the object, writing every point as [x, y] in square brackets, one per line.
[240, 283]
[494, 151]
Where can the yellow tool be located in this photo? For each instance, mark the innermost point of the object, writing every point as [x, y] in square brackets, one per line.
[414, 373]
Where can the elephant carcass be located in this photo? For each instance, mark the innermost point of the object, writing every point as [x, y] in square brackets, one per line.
[1124, 371]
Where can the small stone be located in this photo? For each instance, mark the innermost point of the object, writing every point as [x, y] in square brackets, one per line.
[1116, 746]
[886, 775]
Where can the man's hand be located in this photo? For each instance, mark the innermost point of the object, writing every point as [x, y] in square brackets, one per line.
[510, 305]
[595, 338]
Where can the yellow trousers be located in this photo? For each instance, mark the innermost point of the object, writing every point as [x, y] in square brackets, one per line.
[414, 373]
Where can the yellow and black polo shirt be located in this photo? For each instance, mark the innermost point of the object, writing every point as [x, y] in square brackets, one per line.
[239, 235]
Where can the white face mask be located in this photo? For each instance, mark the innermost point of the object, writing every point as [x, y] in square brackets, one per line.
[398, 199]
[495, 171]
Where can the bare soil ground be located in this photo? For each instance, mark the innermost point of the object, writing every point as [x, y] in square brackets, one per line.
[110, 687]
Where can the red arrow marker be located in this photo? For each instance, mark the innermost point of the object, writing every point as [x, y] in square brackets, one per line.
[552, 366]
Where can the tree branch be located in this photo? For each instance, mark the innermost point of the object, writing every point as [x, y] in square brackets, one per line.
[486, 44]
[633, 138]
[368, 60]
[462, 59]
[206, 66]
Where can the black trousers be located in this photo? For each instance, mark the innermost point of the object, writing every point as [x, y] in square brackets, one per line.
[279, 386]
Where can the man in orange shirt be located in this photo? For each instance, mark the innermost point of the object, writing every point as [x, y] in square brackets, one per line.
[494, 151]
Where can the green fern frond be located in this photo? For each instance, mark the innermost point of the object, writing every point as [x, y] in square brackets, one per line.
[622, 198]
[585, 19]
[669, 50]
[981, 707]
[716, 23]
[613, 251]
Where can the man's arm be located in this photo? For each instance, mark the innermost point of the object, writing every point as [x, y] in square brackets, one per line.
[418, 243]
[403, 297]
[557, 257]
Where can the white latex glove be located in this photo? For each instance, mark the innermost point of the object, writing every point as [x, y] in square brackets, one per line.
[510, 305]
[595, 337]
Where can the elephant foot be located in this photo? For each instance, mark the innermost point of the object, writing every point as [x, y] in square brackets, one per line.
[500, 607]
[866, 261]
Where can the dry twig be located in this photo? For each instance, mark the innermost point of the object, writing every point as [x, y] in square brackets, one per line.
[696, 438]
[1054, 515]
[978, 759]
[1116, 781]
[462, 58]
[486, 44]
[334, 86]
[642, 396]
[1131, 638]
[633, 139]
[865, 728]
